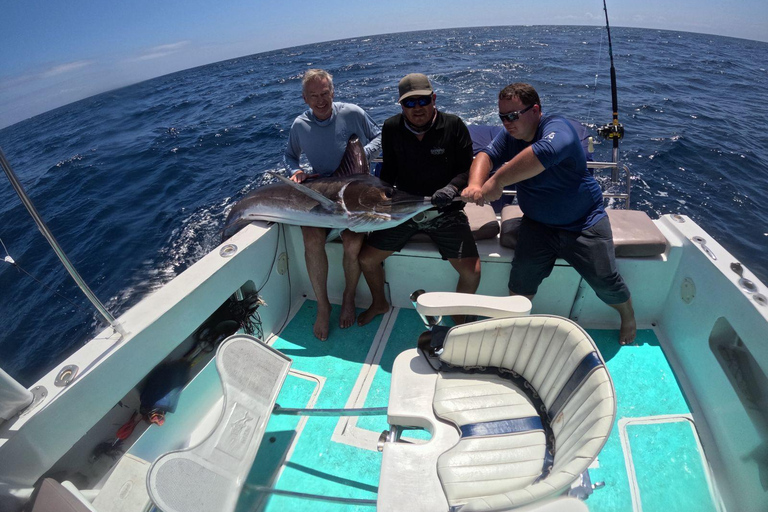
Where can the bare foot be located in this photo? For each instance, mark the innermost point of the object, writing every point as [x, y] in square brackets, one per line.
[347, 317]
[322, 323]
[371, 313]
[627, 332]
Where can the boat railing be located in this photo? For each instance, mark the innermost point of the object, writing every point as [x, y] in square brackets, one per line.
[614, 180]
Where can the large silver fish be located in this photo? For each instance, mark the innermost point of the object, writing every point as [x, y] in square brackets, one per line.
[349, 199]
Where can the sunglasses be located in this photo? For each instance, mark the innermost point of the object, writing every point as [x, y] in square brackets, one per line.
[421, 101]
[514, 116]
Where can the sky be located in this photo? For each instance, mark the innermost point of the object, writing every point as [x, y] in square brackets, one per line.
[54, 52]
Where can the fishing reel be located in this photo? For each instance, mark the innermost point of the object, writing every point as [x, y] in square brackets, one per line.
[611, 131]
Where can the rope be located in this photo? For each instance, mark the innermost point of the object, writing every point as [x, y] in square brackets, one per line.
[8, 259]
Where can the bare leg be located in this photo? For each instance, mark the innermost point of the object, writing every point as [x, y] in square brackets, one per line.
[370, 263]
[317, 269]
[352, 242]
[469, 278]
[628, 329]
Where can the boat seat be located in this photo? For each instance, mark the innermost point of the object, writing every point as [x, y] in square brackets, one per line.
[52, 496]
[634, 233]
[488, 449]
[209, 476]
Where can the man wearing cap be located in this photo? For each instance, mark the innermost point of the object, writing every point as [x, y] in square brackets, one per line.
[321, 133]
[562, 203]
[426, 152]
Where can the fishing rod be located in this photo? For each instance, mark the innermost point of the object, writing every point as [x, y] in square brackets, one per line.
[614, 130]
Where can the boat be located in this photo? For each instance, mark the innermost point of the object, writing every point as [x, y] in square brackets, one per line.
[246, 410]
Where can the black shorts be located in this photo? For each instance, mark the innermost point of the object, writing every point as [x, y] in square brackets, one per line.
[450, 231]
[590, 253]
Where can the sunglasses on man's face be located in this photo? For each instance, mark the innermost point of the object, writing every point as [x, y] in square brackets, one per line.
[514, 116]
[421, 101]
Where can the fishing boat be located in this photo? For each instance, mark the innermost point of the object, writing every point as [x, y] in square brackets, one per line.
[212, 393]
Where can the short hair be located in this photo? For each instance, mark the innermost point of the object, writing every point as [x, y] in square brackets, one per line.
[522, 91]
[316, 74]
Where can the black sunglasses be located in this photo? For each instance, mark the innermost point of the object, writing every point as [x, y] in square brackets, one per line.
[514, 116]
[421, 101]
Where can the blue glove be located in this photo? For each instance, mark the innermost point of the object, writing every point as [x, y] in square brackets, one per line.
[444, 196]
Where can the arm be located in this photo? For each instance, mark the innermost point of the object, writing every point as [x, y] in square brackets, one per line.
[292, 155]
[478, 174]
[389, 167]
[373, 134]
[523, 166]
[463, 160]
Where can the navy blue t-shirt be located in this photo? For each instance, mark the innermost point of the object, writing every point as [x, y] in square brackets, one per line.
[565, 195]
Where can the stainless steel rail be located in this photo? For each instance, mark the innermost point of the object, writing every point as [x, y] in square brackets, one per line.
[56, 247]
[615, 167]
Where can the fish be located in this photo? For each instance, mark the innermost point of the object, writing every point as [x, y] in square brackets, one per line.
[351, 198]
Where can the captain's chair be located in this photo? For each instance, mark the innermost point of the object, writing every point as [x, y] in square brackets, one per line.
[518, 408]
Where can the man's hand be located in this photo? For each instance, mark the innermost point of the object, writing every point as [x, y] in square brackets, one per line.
[444, 196]
[492, 190]
[298, 176]
[473, 194]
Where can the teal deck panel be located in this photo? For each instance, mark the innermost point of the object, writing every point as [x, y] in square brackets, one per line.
[670, 473]
[645, 386]
[318, 465]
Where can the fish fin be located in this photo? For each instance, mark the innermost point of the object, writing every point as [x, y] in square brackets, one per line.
[333, 234]
[354, 161]
[317, 196]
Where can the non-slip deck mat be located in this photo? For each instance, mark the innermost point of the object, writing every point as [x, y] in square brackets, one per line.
[668, 467]
[318, 465]
[645, 386]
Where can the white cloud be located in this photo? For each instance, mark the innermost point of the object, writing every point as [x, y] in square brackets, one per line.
[159, 51]
[65, 68]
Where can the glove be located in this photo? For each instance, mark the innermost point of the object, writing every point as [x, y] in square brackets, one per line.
[444, 196]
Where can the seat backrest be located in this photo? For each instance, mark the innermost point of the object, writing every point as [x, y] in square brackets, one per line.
[563, 365]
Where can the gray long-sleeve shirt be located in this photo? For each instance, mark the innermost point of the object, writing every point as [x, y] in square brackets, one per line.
[324, 142]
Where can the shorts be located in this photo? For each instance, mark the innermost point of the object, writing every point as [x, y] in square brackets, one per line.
[450, 231]
[589, 252]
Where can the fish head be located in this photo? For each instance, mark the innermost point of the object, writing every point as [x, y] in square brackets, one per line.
[372, 204]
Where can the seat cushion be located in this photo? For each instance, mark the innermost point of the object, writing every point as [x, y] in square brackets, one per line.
[486, 464]
[634, 233]
[511, 217]
[482, 220]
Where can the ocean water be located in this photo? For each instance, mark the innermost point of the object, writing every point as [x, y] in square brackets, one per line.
[135, 183]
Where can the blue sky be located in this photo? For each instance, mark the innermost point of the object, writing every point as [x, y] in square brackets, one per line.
[55, 52]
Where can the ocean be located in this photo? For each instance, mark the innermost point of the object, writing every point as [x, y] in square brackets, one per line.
[135, 183]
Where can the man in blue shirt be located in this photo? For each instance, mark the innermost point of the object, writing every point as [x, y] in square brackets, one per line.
[562, 203]
[321, 133]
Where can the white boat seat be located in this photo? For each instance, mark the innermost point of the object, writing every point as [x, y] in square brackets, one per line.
[497, 459]
[53, 496]
[634, 233]
[209, 477]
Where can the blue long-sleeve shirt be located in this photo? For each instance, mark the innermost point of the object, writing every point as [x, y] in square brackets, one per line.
[324, 142]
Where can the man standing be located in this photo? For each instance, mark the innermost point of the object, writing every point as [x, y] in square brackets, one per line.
[321, 133]
[562, 204]
[426, 153]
